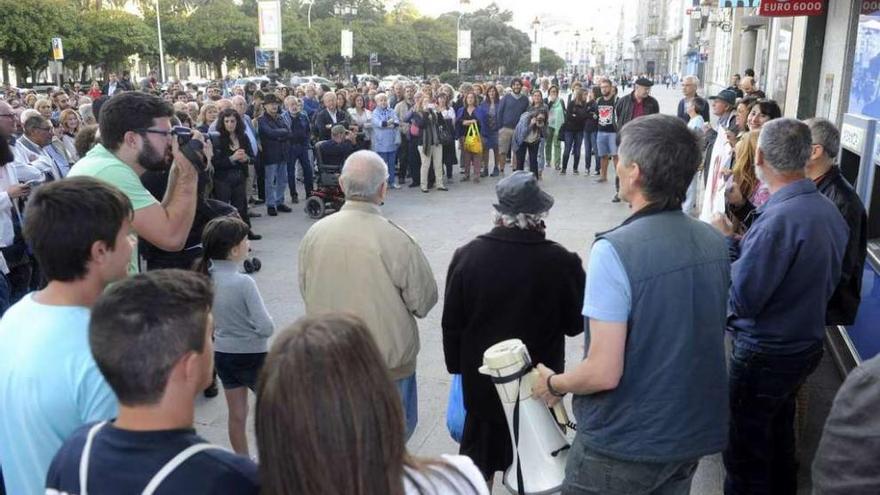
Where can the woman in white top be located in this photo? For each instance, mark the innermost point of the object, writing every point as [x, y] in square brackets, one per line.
[329, 420]
[362, 119]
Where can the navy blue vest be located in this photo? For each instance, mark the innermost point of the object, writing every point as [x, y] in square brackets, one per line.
[672, 401]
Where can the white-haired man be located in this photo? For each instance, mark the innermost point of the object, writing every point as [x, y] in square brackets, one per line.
[341, 254]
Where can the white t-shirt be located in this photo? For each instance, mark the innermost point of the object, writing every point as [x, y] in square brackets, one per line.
[463, 479]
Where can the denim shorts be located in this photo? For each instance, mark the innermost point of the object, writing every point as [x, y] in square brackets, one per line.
[239, 370]
[606, 142]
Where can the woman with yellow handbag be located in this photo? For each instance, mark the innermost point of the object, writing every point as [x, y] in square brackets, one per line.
[471, 122]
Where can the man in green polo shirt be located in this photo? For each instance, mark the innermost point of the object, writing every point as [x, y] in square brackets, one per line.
[136, 137]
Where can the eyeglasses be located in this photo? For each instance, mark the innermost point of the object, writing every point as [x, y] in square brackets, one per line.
[47, 129]
[7, 115]
[154, 131]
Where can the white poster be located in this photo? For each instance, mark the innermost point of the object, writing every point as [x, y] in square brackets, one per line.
[269, 15]
[464, 44]
[536, 53]
[347, 44]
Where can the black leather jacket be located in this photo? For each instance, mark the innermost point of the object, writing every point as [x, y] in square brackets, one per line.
[845, 301]
[624, 108]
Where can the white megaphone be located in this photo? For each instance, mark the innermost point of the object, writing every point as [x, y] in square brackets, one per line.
[540, 448]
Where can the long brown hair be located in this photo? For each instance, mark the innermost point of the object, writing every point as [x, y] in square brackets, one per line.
[328, 417]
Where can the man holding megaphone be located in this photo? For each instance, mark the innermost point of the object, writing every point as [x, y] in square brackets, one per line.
[650, 397]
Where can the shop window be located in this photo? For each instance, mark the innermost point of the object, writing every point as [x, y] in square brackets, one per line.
[864, 97]
[782, 54]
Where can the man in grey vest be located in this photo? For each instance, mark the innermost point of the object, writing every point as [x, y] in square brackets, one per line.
[651, 394]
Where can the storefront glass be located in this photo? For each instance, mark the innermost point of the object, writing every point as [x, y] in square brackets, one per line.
[864, 97]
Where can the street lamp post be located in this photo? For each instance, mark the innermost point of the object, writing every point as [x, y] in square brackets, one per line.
[536, 24]
[161, 49]
[309, 19]
[461, 6]
[347, 12]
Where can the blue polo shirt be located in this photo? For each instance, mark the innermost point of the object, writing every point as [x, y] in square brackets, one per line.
[785, 270]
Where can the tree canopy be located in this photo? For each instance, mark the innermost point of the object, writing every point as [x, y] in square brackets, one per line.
[96, 32]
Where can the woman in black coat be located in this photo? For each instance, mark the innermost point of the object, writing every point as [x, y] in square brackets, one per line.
[509, 283]
[232, 154]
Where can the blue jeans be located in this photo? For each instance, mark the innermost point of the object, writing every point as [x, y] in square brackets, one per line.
[760, 457]
[409, 397]
[390, 158]
[572, 142]
[276, 183]
[300, 152]
[591, 150]
[591, 473]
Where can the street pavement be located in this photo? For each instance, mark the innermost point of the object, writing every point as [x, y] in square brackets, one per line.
[441, 222]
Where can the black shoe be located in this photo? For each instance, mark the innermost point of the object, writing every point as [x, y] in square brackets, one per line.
[562, 172]
[413, 184]
[212, 390]
[576, 172]
[253, 214]
[615, 199]
[259, 201]
[283, 208]
[254, 237]
[294, 199]
[272, 211]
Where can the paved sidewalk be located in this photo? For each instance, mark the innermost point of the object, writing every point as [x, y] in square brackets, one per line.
[441, 222]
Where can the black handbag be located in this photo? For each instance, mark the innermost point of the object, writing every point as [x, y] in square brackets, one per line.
[445, 132]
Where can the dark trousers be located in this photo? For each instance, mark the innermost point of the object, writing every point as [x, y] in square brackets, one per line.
[261, 178]
[413, 159]
[300, 152]
[229, 187]
[19, 279]
[572, 143]
[760, 457]
[5, 294]
[532, 148]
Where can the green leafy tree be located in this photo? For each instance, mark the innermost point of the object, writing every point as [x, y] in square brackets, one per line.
[212, 33]
[496, 47]
[300, 46]
[108, 37]
[550, 61]
[26, 31]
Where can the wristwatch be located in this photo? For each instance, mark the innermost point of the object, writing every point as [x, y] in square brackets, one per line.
[552, 390]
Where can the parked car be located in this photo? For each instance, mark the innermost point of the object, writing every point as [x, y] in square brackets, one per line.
[389, 81]
[318, 80]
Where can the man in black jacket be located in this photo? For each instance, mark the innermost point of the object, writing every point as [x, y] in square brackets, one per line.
[821, 169]
[637, 103]
[328, 117]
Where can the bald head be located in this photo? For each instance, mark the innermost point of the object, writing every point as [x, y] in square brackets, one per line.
[223, 104]
[239, 103]
[364, 177]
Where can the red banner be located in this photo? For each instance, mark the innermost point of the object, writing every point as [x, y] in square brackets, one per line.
[791, 8]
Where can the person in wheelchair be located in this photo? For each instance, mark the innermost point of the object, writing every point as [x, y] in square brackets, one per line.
[335, 150]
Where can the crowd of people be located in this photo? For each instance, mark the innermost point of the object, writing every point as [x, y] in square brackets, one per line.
[124, 298]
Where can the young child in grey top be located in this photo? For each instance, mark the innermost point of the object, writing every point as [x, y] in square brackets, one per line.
[242, 325]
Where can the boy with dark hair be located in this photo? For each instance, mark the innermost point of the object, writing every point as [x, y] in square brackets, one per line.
[49, 382]
[156, 363]
[136, 137]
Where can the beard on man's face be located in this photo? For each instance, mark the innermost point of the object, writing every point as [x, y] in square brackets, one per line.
[151, 159]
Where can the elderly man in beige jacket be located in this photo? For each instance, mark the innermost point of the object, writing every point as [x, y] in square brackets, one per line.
[359, 262]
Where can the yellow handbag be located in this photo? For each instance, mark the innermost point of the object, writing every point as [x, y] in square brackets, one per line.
[473, 143]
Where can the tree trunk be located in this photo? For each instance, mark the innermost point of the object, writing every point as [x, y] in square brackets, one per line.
[218, 69]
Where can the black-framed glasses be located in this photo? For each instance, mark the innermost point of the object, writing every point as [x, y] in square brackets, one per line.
[7, 115]
[154, 131]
